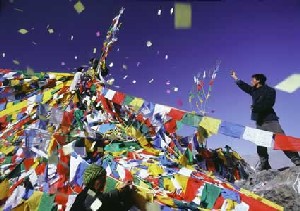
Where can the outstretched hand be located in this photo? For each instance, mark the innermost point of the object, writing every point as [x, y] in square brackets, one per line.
[234, 75]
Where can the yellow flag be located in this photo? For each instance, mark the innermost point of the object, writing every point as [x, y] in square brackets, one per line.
[137, 103]
[210, 124]
[4, 187]
[155, 170]
[34, 201]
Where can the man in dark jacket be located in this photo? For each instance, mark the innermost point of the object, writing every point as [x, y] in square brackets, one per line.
[263, 100]
[92, 197]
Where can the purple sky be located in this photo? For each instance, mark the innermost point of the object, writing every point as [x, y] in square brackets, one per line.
[249, 36]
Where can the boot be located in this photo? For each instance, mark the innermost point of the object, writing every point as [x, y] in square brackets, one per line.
[263, 164]
[293, 156]
[296, 160]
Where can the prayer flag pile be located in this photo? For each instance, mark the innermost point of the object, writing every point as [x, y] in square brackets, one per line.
[49, 135]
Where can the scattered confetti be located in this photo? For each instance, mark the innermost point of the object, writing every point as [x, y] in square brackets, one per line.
[98, 34]
[172, 10]
[95, 50]
[125, 77]
[124, 67]
[19, 10]
[51, 31]
[134, 81]
[180, 102]
[166, 57]
[151, 81]
[3, 55]
[72, 37]
[118, 49]
[159, 12]
[34, 43]
[16, 62]
[138, 64]
[75, 57]
[63, 63]
[168, 83]
[79, 7]
[110, 81]
[183, 16]
[168, 91]
[175, 89]
[149, 43]
[111, 64]
[290, 84]
[23, 31]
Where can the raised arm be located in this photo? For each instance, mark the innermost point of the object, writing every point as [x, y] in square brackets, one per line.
[241, 84]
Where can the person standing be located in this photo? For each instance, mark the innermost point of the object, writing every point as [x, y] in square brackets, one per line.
[263, 100]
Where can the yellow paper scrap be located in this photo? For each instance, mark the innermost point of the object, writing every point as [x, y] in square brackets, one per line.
[23, 31]
[183, 16]
[51, 31]
[79, 7]
[290, 84]
[16, 62]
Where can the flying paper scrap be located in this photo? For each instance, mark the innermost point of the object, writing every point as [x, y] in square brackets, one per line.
[183, 16]
[23, 31]
[149, 43]
[79, 7]
[51, 31]
[290, 84]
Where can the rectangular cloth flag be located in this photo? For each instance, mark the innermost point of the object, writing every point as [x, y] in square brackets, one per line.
[231, 129]
[258, 137]
[283, 142]
[210, 124]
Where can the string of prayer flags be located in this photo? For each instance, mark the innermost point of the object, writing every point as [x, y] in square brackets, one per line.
[60, 136]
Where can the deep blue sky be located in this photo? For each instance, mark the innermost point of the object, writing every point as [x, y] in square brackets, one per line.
[249, 36]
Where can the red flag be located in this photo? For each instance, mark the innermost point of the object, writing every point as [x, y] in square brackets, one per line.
[284, 142]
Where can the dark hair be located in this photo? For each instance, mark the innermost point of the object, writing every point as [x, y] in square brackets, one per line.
[261, 78]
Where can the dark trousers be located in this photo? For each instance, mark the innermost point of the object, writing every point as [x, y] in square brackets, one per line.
[275, 127]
